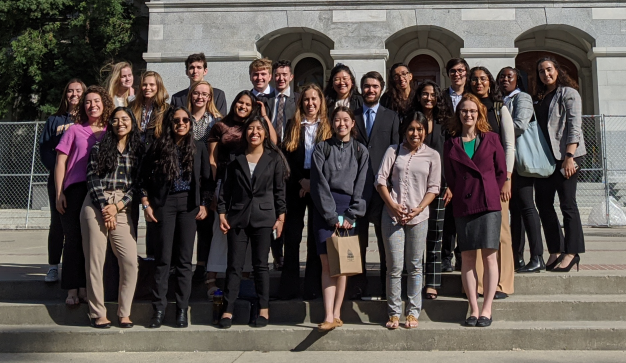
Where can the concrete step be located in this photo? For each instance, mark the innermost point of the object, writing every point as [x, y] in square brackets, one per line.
[544, 283]
[444, 309]
[431, 336]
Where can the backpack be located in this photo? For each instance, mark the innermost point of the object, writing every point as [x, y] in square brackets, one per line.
[356, 147]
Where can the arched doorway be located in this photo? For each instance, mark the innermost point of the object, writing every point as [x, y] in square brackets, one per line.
[526, 62]
[308, 70]
[425, 67]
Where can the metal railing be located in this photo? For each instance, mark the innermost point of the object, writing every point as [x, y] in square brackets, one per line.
[601, 193]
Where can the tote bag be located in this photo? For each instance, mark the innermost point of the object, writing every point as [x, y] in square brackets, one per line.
[344, 255]
[533, 156]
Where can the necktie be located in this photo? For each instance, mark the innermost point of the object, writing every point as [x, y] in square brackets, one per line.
[369, 122]
[280, 116]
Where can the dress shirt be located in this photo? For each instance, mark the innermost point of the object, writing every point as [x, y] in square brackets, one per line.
[266, 92]
[374, 111]
[456, 98]
[310, 131]
[413, 175]
[120, 179]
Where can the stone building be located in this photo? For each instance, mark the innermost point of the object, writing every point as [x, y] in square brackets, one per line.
[589, 38]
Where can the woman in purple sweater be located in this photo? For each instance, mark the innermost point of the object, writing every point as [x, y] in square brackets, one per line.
[475, 169]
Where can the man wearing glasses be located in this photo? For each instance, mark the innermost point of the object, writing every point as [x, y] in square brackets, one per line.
[457, 69]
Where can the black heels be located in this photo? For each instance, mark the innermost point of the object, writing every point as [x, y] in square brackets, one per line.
[99, 326]
[555, 263]
[574, 261]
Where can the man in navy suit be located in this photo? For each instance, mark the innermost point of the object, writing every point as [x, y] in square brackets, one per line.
[378, 128]
[196, 69]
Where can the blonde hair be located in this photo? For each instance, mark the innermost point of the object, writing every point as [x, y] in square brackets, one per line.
[113, 79]
[159, 105]
[324, 131]
[482, 125]
[210, 107]
[260, 64]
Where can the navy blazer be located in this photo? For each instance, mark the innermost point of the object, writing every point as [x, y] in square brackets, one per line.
[475, 183]
[179, 99]
[255, 201]
[53, 130]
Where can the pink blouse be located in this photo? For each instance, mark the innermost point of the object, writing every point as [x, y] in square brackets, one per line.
[76, 143]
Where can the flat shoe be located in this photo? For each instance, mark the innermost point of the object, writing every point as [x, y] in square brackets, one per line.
[338, 322]
[471, 321]
[483, 321]
[100, 326]
[226, 323]
[500, 295]
[326, 326]
[260, 322]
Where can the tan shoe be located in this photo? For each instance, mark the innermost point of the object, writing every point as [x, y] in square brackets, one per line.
[411, 322]
[326, 326]
[338, 322]
[393, 323]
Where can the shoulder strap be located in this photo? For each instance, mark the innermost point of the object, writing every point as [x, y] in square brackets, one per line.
[358, 151]
[497, 108]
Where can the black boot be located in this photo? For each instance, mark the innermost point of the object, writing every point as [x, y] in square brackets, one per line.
[157, 319]
[535, 264]
[181, 318]
[519, 263]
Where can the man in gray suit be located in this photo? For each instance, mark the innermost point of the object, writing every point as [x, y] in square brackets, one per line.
[196, 69]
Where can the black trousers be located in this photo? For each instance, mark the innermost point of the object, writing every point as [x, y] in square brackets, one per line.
[359, 282]
[73, 276]
[205, 235]
[524, 217]
[292, 236]
[449, 248]
[180, 212]
[545, 190]
[55, 233]
[260, 240]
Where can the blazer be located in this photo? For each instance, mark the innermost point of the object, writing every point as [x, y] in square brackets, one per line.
[290, 108]
[255, 201]
[179, 99]
[475, 183]
[565, 122]
[158, 187]
[266, 99]
[296, 159]
[384, 133]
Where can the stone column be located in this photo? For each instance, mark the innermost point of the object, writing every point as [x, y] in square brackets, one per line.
[609, 76]
[362, 61]
[493, 59]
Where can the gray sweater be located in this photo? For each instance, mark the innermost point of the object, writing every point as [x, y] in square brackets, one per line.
[340, 173]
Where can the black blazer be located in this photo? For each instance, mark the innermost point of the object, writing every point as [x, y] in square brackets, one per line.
[290, 108]
[255, 201]
[384, 133]
[158, 187]
[296, 158]
[267, 101]
[179, 99]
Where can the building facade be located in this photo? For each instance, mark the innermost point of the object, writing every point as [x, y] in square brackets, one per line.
[588, 38]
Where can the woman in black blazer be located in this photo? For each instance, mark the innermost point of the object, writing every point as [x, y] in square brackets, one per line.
[251, 206]
[174, 178]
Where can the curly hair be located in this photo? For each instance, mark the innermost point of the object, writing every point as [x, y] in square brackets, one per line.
[397, 101]
[562, 80]
[107, 147]
[293, 131]
[267, 142]
[353, 131]
[107, 105]
[455, 127]
[441, 112]
[329, 91]
[167, 152]
[494, 90]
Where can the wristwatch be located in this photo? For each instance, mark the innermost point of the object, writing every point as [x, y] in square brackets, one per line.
[569, 155]
[145, 206]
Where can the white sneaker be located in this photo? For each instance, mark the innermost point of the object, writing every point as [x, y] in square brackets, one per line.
[52, 275]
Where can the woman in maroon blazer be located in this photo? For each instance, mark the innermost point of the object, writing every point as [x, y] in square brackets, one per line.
[475, 169]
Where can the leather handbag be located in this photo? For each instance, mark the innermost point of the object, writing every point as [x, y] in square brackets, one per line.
[533, 156]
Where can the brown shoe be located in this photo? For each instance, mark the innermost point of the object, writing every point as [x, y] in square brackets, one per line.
[393, 323]
[411, 322]
[326, 326]
[338, 322]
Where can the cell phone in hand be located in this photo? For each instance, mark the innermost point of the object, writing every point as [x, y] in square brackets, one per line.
[341, 222]
[575, 166]
[274, 234]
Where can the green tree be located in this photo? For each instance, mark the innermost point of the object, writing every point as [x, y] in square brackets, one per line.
[44, 43]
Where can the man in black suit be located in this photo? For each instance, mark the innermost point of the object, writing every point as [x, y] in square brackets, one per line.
[196, 69]
[377, 129]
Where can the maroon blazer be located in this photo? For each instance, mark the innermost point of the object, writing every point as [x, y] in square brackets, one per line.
[475, 183]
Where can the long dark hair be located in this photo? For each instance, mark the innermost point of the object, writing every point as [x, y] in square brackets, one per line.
[397, 102]
[167, 152]
[64, 106]
[413, 116]
[267, 142]
[329, 90]
[494, 90]
[107, 147]
[562, 80]
[519, 81]
[230, 117]
[441, 112]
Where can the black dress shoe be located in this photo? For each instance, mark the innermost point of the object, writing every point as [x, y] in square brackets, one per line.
[471, 321]
[157, 319]
[483, 321]
[181, 318]
[519, 263]
[499, 295]
[446, 265]
[535, 264]
[124, 325]
[99, 326]
[260, 322]
[226, 323]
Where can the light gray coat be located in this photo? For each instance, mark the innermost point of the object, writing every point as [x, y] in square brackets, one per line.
[565, 122]
[522, 111]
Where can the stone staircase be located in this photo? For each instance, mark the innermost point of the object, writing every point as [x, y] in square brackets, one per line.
[575, 311]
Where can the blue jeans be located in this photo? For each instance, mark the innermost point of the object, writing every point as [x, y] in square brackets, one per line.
[404, 245]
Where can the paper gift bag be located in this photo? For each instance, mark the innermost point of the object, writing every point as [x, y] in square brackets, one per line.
[344, 255]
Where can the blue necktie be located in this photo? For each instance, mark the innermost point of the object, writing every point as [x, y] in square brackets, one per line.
[369, 121]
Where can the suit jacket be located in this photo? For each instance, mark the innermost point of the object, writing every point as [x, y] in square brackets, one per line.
[384, 133]
[158, 187]
[179, 99]
[565, 122]
[475, 183]
[290, 108]
[255, 201]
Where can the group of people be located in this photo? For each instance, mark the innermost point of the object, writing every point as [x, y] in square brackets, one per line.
[429, 168]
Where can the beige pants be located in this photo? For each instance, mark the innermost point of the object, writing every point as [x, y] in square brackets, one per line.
[124, 245]
[506, 265]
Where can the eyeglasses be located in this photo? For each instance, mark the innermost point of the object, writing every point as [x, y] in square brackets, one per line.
[460, 72]
[482, 80]
[469, 112]
[401, 75]
[338, 80]
[178, 120]
[203, 95]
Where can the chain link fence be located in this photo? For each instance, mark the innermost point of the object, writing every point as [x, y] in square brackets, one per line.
[601, 190]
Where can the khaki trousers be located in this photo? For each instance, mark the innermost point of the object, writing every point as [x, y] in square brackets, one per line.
[506, 265]
[124, 245]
